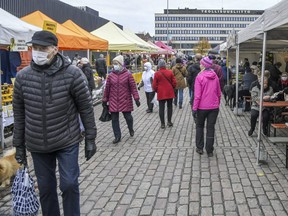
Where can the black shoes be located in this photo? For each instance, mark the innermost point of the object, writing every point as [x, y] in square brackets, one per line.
[265, 131]
[162, 126]
[250, 132]
[210, 154]
[116, 140]
[180, 106]
[170, 124]
[131, 133]
[199, 151]
[149, 111]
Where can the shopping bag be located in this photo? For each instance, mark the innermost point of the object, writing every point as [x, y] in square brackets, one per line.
[155, 101]
[105, 116]
[24, 199]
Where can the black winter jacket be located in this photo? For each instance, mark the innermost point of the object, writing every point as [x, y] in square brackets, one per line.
[46, 105]
[86, 68]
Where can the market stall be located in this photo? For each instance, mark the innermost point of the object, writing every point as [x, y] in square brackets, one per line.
[14, 33]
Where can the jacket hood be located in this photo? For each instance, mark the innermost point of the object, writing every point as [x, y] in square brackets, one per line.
[58, 64]
[210, 74]
[148, 65]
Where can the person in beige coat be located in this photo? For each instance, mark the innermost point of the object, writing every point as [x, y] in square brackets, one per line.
[180, 73]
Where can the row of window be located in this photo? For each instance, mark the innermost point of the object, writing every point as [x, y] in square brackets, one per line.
[191, 38]
[200, 25]
[177, 18]
[210, 32]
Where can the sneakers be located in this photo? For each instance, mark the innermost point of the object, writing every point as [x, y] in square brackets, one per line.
[250, 132]
[199, 151]
[170, 124]
[210, 154]
[162, 126]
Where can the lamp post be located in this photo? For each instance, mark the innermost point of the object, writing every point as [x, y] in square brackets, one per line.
[167, 23]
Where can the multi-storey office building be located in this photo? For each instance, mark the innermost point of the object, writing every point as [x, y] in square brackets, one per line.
[184, 28]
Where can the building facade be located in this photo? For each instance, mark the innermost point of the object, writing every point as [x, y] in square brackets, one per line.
[85, 17]
[184, 28]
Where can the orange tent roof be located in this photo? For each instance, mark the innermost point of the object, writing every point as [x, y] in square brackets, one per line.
[67, 39]
[95, 43]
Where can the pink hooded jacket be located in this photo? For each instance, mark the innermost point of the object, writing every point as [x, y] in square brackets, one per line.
[207, 92]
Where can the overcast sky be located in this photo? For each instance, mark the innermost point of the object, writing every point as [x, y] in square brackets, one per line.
[138, 15]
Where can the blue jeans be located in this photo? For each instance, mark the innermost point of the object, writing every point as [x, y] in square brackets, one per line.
[45, 168]
[180, 91]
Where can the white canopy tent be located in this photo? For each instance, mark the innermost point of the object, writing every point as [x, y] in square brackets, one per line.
[268, 32]
[13, 27]
[118, 39]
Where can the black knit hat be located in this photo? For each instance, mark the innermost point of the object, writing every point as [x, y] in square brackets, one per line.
[44, 38]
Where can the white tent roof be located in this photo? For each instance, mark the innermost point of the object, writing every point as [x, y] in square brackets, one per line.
[118, 39]
[274, 21]
[134, 36]
[13, 27]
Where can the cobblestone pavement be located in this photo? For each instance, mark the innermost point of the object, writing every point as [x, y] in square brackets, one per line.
[158, 172]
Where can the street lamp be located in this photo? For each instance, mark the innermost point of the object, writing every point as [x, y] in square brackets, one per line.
[167, 23]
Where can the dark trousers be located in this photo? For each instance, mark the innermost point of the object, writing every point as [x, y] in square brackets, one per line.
[149, 98]
[116, 125]
[162, 110]
[45, 167]
[265, 118]
[211, 116]
[243, 93]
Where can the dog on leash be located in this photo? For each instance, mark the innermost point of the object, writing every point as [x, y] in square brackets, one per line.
[8, 167]
[229, 94]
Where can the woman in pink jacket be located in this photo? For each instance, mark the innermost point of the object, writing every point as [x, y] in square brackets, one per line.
[119, 90]
[207, 95]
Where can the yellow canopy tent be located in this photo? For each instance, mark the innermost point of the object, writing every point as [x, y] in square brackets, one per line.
[67, 39]
[95, 43]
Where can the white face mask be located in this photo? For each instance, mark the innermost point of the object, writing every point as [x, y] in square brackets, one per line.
[284, 78]
[40, 57]
[145, 68]
[117, 67]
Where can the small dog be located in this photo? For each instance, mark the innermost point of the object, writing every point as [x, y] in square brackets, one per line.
[8, 167]
[229, 94]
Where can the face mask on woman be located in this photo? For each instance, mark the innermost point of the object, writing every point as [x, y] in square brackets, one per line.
[40, 57]
[116, 67]
[145, 68]
[284, 78]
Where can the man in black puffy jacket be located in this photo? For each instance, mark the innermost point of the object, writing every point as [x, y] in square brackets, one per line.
[48, 97]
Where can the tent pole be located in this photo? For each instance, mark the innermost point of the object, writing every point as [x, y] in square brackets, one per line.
[227, 66]
[237, 77]
[261, 98]
[88, 54]
[1, 109]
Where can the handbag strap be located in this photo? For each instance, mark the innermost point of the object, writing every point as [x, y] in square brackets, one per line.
[167, 79]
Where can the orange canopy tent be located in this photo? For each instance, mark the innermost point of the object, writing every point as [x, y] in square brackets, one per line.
[67, 39]
[95, 43]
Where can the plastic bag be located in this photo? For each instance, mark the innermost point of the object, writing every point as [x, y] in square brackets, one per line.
[155, 101]
[25, 201]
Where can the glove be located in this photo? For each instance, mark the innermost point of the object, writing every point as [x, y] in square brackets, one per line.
[104, 104]
[20, 155]
[90, 149]
[194, 114]
[137, 103]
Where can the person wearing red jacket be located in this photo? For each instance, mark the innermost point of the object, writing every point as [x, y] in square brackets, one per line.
[164, 84]
[120, 87]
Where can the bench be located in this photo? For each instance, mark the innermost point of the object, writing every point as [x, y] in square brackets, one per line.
[283, 140]
[278, 126]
